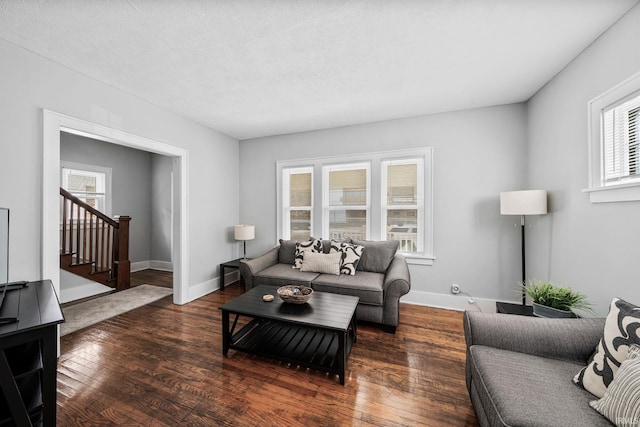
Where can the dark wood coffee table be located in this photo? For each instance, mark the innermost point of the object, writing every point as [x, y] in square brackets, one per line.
[318, 334]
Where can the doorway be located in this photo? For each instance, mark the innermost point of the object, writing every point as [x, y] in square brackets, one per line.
[53, 124]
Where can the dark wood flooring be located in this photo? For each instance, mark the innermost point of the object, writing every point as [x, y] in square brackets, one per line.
[162, 365]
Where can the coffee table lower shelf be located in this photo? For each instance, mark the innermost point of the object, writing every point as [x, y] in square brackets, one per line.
[296, 344]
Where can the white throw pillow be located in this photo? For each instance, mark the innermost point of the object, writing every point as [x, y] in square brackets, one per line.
[321, 263]
[312, 245]
[621, 330]
[349, 256]
[621, 401]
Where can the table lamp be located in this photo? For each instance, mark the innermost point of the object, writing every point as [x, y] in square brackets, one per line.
[244, 232]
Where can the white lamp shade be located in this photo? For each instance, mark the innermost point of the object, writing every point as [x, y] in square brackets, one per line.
[526, 202]
[244, 232]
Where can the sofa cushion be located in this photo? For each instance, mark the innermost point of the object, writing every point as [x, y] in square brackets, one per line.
[621, 330]
[521, 389]
[349, 256]
[321, 263]
[621, 401]
[377, 255]
[312, 245]
[364, 285]
[287, 252]
[283, 274]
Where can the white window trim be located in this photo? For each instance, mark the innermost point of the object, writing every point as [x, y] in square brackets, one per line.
[326, 208]
[108, 172]
[427, 257]
[419, 207]
[285, 207]
[598, 192]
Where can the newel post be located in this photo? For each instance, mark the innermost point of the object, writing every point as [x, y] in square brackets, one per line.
[122, 265]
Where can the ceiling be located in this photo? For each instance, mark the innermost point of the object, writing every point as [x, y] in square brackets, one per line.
[256, 67]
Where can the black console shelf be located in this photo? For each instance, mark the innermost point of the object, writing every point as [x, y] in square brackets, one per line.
[28, 357]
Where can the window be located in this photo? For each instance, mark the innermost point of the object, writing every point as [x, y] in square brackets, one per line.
[346, 201]
[614, 144]
[91, 184]
[298, 204]
[403, 202]
[376, 196]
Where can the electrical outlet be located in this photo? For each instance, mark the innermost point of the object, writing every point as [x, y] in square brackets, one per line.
[455, 289]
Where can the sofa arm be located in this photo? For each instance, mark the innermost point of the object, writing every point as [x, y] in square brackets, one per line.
[397, 280]
[249, 268]
[567, 339]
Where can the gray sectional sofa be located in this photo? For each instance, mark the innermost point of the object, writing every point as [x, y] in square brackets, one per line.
[519, 369]
[381, 278]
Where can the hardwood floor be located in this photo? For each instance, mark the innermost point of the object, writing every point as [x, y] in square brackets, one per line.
[162, 365]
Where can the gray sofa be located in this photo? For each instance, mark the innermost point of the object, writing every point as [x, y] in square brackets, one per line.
[519, 369]
[381, 278]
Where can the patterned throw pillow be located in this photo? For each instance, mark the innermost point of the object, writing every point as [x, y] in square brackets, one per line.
[621, 330]
[350, 256]
[321, 263]
[313, 245]
[621, 401]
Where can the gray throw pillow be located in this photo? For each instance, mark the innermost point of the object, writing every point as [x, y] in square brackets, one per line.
[287, 252]
[377, 255]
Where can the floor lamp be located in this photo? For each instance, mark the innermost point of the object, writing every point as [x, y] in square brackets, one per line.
[526, 202]
[244, 232]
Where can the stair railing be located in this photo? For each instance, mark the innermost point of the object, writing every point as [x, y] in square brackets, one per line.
[91, 237]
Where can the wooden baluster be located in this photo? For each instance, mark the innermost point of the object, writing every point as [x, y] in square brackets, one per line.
[104, 243]
[71, 233]
[84, 236]
[64, 225]
[91, 251]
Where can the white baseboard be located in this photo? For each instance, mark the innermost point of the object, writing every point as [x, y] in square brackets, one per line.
[458, 302]
[156, 265]
[201, 289]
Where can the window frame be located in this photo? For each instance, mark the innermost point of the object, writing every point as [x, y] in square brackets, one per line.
[600, 191]
[326, 196]
[285, 222]
[93, 169]
[419, 206]
[375, 220]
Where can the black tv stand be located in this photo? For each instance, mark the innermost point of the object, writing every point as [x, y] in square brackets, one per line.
[510, 308]
[28, 357]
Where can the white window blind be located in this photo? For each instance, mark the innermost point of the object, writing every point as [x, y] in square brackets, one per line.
[620, 142]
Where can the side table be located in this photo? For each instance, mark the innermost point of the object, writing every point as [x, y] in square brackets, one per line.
[233, 265]
[509, 308]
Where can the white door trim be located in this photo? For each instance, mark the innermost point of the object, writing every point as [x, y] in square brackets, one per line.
[53, 124]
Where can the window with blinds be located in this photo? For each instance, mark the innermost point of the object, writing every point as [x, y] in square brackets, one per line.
[621, 142]
[298, 203]
[346, 201]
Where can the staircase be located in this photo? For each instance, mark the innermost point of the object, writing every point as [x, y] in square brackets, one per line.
[92, 245]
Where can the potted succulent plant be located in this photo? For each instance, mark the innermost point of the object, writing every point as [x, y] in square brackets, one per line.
[550, 300]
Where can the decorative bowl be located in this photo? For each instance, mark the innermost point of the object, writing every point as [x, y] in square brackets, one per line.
[295, 294]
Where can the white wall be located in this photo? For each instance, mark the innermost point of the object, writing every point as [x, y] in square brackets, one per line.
[477, 154]
[590, 247]
[161, 229]
[29, 83]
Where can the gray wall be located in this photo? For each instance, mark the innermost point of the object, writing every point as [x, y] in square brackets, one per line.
[29, 83]
[590, 247]
[131, 184]
[161, 227]
[477, 154]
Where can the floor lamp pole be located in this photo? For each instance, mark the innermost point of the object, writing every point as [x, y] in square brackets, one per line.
[524, 294]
